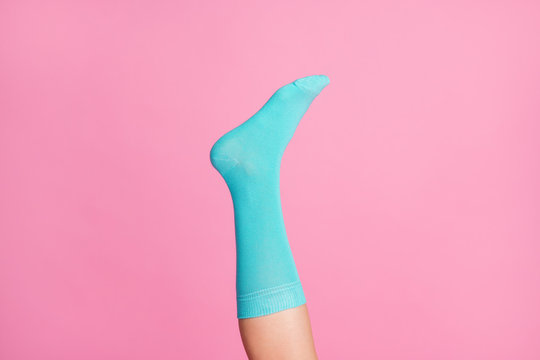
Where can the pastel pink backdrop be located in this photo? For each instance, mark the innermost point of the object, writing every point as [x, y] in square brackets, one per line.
[410, 190]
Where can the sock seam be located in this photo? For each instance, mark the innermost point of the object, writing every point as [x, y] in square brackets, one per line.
[267, 291]
[272, 300]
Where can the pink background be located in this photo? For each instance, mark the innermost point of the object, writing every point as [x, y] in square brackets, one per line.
[410, 190]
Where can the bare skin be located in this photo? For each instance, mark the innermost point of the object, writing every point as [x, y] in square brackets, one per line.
[285, 335]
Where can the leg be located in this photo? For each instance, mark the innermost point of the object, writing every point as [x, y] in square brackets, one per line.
[249, 157]
[283, 335]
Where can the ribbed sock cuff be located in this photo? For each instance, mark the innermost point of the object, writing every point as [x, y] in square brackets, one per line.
[269, 301]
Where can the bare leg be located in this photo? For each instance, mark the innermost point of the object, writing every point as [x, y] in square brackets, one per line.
[282, 335]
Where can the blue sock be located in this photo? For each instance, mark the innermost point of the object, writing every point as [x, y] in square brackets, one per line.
[249, 157]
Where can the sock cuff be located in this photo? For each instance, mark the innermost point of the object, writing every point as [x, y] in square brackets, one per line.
[271, 300]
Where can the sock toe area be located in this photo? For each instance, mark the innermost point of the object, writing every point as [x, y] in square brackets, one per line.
[312, 84]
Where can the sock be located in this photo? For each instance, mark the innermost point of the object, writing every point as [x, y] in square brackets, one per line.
[249, 157]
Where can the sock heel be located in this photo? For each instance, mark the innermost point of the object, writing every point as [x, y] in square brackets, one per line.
[221, 158]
